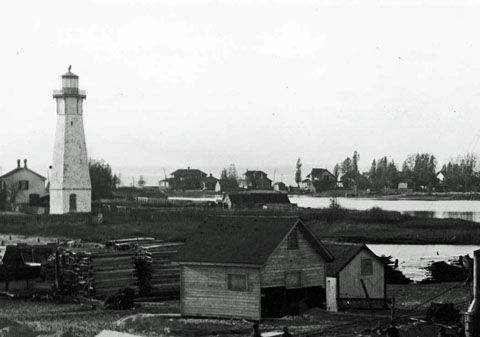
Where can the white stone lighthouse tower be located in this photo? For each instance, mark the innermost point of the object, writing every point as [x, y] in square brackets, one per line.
[70, 188]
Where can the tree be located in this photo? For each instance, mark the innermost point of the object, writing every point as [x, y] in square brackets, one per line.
[232, 172]
[424, 170]
[298, 172]
[224, 174]
[347, 166]
[141, 182]
[101, 178]
[355, 160]
[336, 170]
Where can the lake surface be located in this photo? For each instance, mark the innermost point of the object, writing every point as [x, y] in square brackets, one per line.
[412, 259]
[459, 209]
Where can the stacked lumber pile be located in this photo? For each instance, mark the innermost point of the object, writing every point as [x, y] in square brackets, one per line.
[158, 276]
[105, 271]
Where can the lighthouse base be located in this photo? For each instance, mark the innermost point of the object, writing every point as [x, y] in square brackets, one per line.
[70, 201]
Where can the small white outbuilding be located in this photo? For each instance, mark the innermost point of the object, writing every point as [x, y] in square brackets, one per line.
[355, 278]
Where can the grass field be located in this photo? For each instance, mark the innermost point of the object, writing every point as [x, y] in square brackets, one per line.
[175, 225]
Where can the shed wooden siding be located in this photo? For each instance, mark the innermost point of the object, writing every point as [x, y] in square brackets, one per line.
[305, 259]
[349, 278]
[204, 292]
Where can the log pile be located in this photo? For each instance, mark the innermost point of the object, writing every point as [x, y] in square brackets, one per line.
[158, 276]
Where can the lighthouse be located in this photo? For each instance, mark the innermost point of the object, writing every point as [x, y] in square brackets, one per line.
[70, 187]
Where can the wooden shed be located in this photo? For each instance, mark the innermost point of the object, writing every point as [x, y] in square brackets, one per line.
[251, 267]
[355, 278]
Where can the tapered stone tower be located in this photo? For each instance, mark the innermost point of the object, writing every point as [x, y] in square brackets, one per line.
[70, 187]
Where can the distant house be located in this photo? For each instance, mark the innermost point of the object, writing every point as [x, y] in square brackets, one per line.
[276, 268]
[253, 199]
[255, 180]
[321, 180]
[226, 185]
[186, 179]
[209, 183]
[355, 277]
[22, 185]
[280, 186]
[406, 186]
[352, 180]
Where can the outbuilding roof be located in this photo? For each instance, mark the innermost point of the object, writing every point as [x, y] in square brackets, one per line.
[243, 240]
[342, 253]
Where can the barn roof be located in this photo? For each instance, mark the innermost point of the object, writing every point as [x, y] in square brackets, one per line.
[242, 240]
[342, 253]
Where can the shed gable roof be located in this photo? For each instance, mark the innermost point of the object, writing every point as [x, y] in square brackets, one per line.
[343, 253]
[242, 240]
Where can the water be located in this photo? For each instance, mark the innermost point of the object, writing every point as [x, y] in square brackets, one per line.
[412, 259]
[458, 209]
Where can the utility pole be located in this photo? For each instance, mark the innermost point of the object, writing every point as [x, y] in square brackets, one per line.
[472, 317]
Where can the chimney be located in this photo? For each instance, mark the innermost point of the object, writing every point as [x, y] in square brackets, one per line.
[25, 163]
[18, 163]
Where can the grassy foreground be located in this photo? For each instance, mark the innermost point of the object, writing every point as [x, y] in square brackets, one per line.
[356, 226]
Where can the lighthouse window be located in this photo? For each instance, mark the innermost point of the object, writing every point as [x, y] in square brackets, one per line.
[73, 202]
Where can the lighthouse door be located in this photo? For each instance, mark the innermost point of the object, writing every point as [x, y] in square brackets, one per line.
[73, 202]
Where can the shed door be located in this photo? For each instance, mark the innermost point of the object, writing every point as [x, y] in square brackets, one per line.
[332, 304]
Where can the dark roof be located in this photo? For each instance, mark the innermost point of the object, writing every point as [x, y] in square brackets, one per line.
[256, 174]
[18, 169]
[263, 197]
[342, 253]
[242, 240]
[228, 183]
[188, 172]
[211, 178]
[318, 171]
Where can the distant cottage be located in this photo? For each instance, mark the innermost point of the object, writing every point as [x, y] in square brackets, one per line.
[247, 267]
[255, 180]
[355, 277]
[184, 179]
[320, 179]
[22, 185]
[209, 183]
[226, 185]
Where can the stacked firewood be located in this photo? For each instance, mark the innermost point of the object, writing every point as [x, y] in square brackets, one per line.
[158, 276]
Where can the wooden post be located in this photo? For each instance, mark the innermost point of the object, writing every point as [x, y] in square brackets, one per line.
[57, 270]
[392, 309]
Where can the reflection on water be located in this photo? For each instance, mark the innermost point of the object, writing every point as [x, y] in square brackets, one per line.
[459, 209]
[412, 259]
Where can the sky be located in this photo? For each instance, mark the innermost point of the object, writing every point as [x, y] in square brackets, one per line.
[255, 83]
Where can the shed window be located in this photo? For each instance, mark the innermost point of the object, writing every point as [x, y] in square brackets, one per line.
[366, 267]
[23, 185]
[293, 279]
[293, 240]
[237, 282]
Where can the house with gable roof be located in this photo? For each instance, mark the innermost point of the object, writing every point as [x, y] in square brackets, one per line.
[23, 185]
[251, 267]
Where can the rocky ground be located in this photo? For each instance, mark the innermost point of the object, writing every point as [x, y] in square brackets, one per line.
[48, 318]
